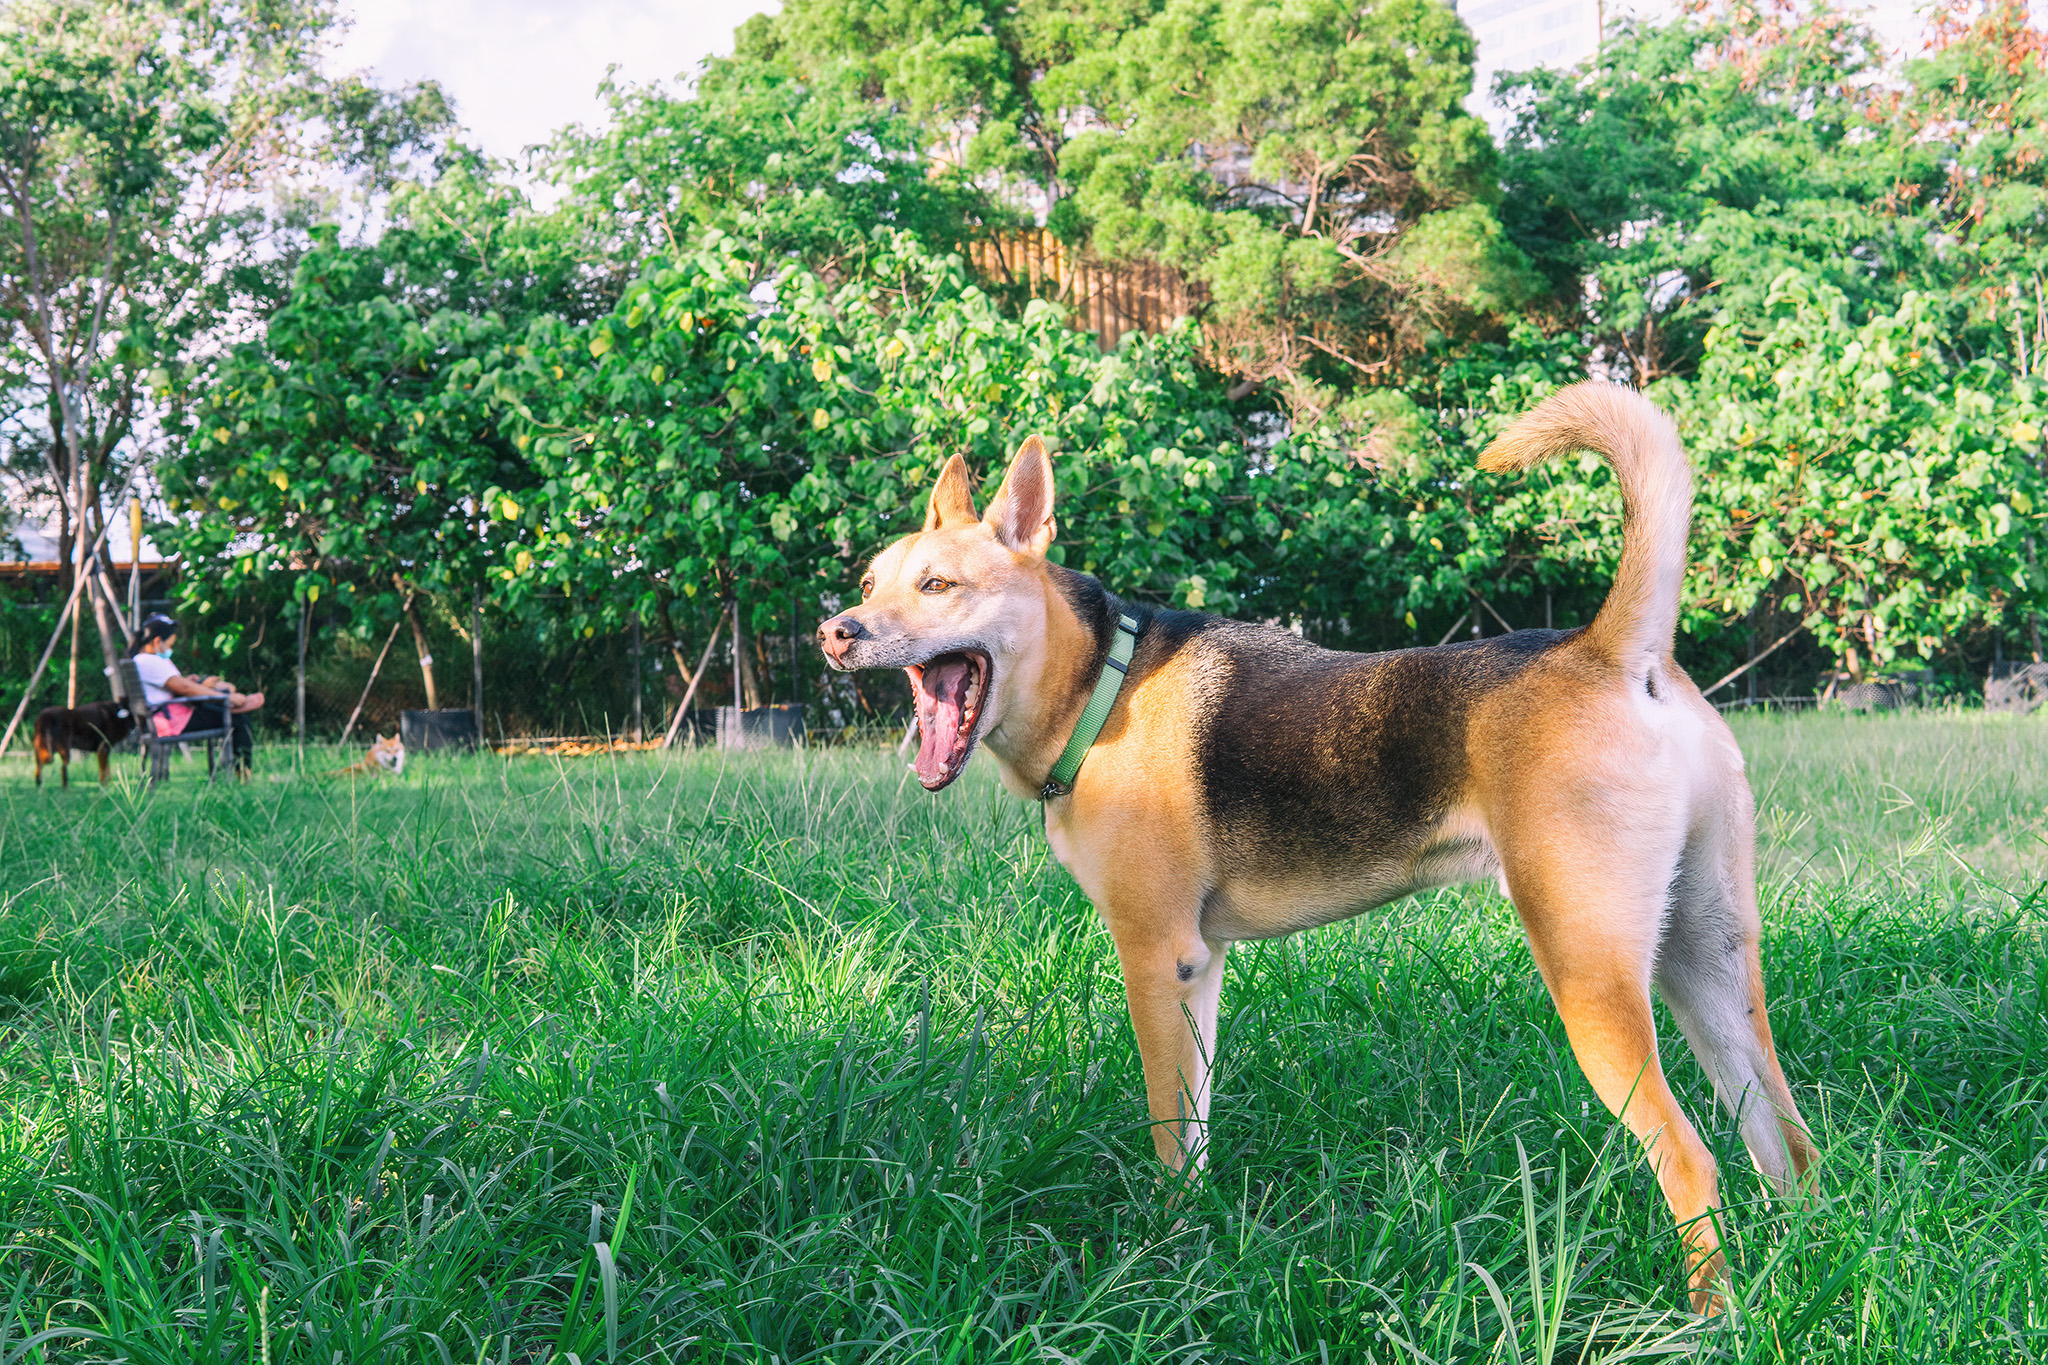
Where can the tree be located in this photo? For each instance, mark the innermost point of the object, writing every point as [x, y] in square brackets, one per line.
[699, 446]
[1311, 164]
[1859, 478]
[134, 140]
[965, 72]
[1685, 166]
[1972, 178]
[790, 165]
[350, 450]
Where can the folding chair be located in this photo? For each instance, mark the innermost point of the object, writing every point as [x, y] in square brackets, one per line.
[156, 749]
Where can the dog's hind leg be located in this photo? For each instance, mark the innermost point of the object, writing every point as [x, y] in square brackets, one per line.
[1592, 924]
[1711, 977]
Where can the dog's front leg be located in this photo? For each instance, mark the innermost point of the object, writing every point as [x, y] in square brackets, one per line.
[1172, 983]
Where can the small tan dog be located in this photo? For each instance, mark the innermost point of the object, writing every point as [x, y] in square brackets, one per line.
[1246, 784]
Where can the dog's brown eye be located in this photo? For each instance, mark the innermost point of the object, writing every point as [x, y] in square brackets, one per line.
[867, 586]
[934, 585]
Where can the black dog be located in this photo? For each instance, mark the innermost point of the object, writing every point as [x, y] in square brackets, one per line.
[92, 729]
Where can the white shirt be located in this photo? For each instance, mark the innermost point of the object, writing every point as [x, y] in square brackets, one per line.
[155, 670]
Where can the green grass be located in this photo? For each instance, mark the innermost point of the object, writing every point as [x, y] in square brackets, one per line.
[675, 1059]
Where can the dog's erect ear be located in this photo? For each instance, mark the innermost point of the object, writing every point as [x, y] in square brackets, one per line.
[952, 502]
[1021, 515]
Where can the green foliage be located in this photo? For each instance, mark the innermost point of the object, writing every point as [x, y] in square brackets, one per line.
[468, 241]
[963, 70]
[726, 446]
[352, 447]
[1379, 531]
[1859, 477]
[787, 164]
[1687, 165]
[1277, 154]
[1310, 163]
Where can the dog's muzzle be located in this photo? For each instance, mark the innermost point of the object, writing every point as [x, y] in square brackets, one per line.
[839, 635]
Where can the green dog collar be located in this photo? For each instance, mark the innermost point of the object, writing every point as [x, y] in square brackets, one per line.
[1061, 781]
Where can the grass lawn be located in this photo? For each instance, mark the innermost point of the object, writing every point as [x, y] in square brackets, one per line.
[656, 1058]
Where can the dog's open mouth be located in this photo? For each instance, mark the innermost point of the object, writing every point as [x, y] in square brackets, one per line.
[951, 689]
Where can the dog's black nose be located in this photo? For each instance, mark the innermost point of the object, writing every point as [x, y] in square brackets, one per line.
[838, 634]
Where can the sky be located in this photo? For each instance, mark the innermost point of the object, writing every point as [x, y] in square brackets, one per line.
[519, 69]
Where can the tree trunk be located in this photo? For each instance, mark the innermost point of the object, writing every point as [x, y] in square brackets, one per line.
[111, 639]
[92, 546]
[71, 682]
[750, 678]
[637, 736]
[419, 640]
[66, 534]
[79, 554]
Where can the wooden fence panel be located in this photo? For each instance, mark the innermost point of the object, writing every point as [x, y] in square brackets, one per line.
[1102, 298]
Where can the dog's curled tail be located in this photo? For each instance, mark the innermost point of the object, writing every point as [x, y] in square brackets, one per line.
[1637, 440]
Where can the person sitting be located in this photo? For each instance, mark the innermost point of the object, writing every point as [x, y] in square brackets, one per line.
[175, 699]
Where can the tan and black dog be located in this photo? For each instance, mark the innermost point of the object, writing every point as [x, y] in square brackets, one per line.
[1247, 784]
[94, 728]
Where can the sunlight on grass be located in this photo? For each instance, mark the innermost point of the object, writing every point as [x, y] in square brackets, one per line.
[648, 1058]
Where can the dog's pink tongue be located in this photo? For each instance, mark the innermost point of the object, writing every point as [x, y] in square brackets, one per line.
[941, 697]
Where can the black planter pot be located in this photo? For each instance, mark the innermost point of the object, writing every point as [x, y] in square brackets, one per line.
[422, 732]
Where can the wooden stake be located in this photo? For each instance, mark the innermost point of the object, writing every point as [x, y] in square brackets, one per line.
[1754, 661]
[683, 707]
[375, 669]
